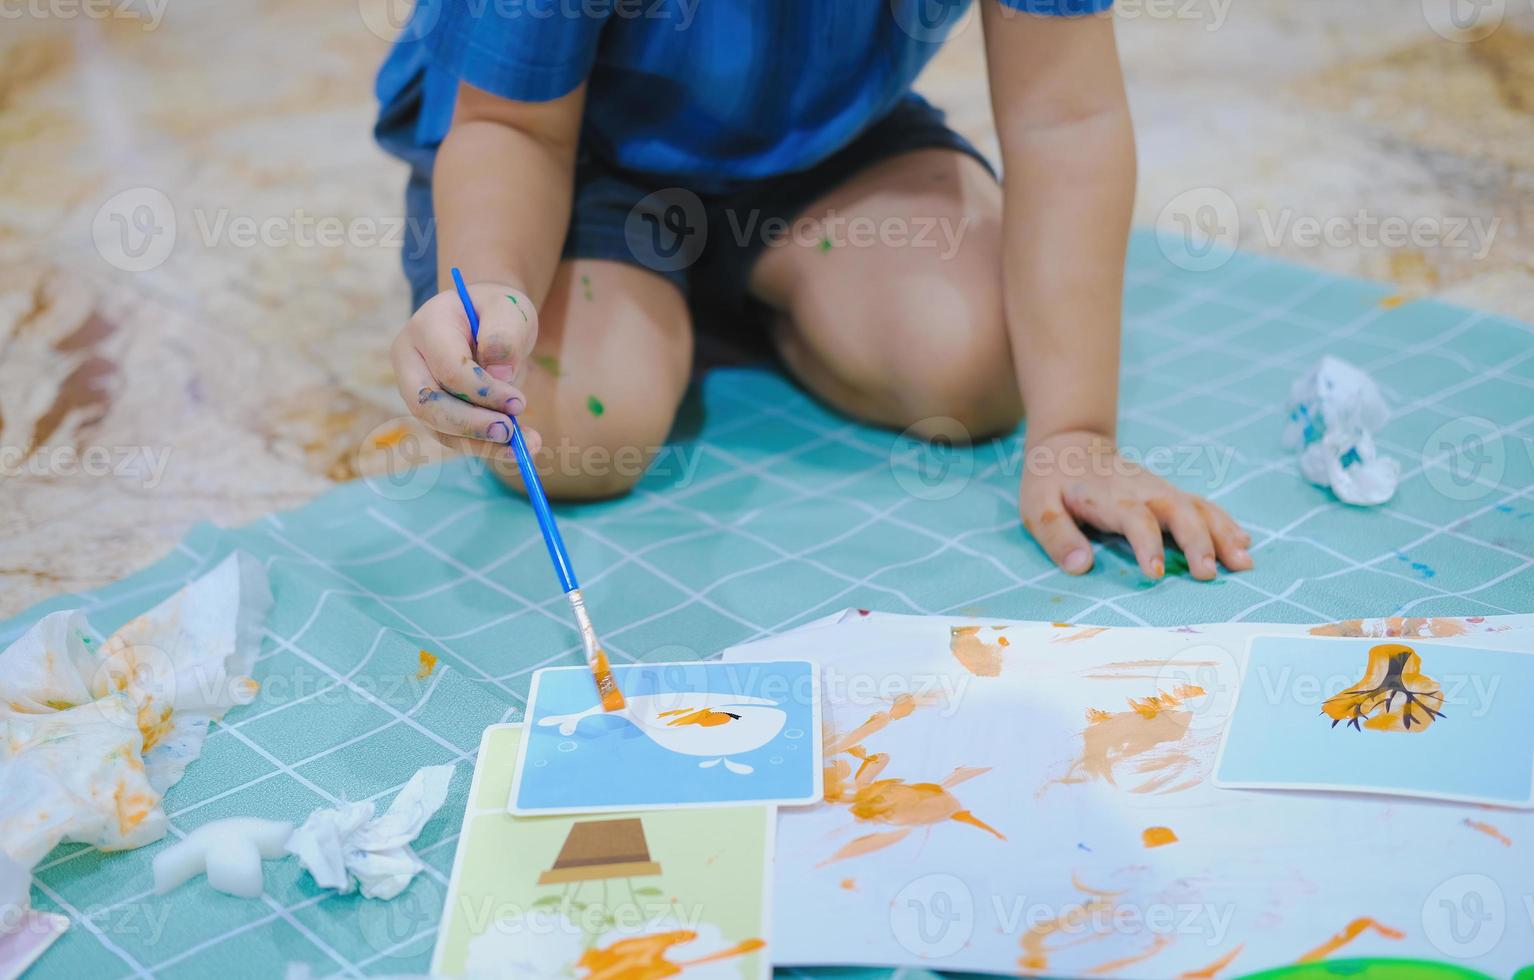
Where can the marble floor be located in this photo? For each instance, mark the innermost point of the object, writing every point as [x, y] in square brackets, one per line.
[245, 370]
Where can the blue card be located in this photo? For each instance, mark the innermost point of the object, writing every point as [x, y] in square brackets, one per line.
[692, 734]
[1402, 717]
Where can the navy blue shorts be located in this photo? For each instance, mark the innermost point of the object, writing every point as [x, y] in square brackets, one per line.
[704, 244]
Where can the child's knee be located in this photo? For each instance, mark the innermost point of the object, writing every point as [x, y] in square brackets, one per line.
[967, 376]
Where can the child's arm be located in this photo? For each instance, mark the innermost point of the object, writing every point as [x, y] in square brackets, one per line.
[1069, 164]
[501, 193]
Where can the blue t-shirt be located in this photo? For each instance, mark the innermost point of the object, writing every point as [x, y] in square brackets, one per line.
[714, 91]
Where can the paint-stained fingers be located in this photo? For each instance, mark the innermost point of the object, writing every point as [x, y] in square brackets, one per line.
[490, 450]
[1134, 521]
[1056, 532]
[508, 329]
[450, 364]
[440, 410]
[1231, 541]
[1189, 529]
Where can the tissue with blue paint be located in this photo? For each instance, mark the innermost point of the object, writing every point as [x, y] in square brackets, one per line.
[1335, 409]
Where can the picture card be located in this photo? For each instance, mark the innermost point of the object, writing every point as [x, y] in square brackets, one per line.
[1395, 716]
[669, 893]
[691, 734]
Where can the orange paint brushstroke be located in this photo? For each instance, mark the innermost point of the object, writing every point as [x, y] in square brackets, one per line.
[703, 717]
[1079, 635]
[644, 957]
[1158, 836]
[1209, 972]
[1391, 302]
[849, 884]
[390, 438]
[980, 659]
[1489, 831]
[1098, 908]
[1349, 933]
[892, 802]
[428, 664]
[1148, 746]
[1158, 943]
[1394, 626]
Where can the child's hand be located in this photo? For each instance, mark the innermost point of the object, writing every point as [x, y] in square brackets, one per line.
[1076, 478]
[465, 391]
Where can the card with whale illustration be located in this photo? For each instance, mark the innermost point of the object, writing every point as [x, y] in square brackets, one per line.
[692, 734]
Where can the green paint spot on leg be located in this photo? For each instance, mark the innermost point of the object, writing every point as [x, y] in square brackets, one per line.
[825, 245]
[549, 363]
[586, 286]
[518, 306]
[594, 405]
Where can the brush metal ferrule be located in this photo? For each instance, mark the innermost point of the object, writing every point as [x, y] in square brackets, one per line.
[583, 623]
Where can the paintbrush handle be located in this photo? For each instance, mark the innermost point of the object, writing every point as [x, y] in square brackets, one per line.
[530, 480]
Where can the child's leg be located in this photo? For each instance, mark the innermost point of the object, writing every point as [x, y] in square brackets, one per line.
[901, 333]
[610, 367]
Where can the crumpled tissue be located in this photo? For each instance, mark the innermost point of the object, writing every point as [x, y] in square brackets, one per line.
[1334, 411]
[346, 842]
[93, 732]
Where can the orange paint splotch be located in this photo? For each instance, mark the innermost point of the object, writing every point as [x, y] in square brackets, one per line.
[153, 724]
[1212, 970]
[978, 657]
[428, 663]
[390, 437]
[889, 801]
[1083, 634]
[1393, 695]
[1158, 836]
[646, 957]
[1489, 831]
[1349, 933]
[1395, 626]
[1148, 746]
[702, 717]
[849, 884]
[1083, 925]
[1391, 302]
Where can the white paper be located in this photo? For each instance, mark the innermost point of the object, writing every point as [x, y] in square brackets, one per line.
[1073, 889]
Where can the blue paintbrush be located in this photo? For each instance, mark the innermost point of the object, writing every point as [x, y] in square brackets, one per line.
[596, 659]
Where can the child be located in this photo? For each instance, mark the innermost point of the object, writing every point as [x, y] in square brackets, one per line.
[592, 165]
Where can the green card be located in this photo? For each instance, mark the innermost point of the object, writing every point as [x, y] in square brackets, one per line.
[660, 893]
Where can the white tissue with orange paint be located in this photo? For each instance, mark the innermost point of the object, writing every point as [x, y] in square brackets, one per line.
[93, 732]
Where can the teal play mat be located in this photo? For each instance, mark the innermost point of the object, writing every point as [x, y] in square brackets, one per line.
[769, 511]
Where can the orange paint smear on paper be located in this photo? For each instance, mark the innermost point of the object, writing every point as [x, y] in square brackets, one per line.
[131, 808]
[1147, 746]
[979, 658]
[1209, 972]
[702, 717]
[1085, 634]
[1394, 626]
[1489, 831]
[892, 802]
[645, 957]
[1391, 302]
[428, 663]
[153, 725]
[849, 884]
[1349, 933]
[1037, 947]
[1158, 836]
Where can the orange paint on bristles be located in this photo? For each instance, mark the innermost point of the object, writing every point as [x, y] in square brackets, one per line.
[607, 685]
